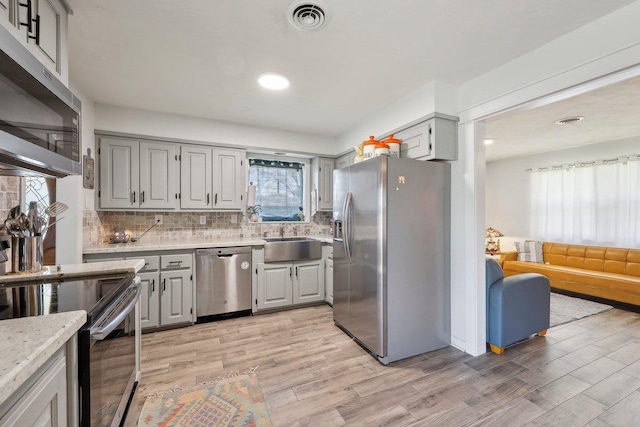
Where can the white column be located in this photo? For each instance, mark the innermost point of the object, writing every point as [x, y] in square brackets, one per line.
[468, 307]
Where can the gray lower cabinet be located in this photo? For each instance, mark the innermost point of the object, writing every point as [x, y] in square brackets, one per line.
[328, 280]
[286, 284]
[327, 255]
[176, 299]
[275, 285]
[149, 301]
[43, 400]
[308, 283]
[166, 281]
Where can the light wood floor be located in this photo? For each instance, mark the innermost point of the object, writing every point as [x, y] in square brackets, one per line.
[585, 373]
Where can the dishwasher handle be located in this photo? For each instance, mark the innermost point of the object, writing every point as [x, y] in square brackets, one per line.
[223, 252]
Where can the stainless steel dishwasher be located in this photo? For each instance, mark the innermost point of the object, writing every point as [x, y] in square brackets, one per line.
[223, 281]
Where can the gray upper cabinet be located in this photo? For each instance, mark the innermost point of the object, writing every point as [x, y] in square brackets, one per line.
[211, 178]
[345, 160]
[195, 177]
[434, 138]
[45, 35]
[4, 12]
[119, 174]
[322, 178]
[168, 176]
[49, 13]
[228, 179]
[137, 175]
[158, 175]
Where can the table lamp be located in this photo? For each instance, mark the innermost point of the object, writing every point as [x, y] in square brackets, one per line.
[493, 246]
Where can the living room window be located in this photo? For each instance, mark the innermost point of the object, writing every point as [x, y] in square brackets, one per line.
[588, 203]
[280, 188]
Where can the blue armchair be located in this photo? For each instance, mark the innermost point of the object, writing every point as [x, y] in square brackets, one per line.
[517, 306]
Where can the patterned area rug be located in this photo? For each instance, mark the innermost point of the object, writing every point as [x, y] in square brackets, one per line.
[565, 309]
[236, 401]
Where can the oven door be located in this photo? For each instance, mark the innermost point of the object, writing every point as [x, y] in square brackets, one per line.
[107, 362]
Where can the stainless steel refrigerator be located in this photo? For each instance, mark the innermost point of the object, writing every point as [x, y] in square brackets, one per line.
[391, 255]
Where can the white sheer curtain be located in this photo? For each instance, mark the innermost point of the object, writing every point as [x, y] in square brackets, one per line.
[595, 204]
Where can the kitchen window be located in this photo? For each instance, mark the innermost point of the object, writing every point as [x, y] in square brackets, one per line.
[280, 188]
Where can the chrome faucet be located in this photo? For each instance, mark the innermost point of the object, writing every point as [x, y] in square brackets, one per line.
[282, 231]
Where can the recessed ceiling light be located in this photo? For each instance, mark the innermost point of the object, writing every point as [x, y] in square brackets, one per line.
[569, 120]
[488, 141]
[273, 81]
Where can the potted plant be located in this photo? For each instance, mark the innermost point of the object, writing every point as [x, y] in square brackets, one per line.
[253, 212]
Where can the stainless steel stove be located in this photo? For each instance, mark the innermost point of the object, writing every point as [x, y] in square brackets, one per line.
[106, 343]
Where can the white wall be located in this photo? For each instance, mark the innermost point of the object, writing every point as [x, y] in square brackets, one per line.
[71, 192]
[149, 123]
[507, 183]
[432, 97]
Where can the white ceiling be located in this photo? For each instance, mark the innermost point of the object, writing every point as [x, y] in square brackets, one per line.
[201, 57]
[610, 113]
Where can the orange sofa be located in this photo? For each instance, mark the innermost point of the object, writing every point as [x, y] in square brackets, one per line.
[610, 273]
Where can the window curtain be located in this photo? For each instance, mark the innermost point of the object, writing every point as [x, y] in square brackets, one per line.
[593, 204]
[279, 188]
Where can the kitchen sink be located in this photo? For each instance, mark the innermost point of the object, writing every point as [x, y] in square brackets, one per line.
[281, 249]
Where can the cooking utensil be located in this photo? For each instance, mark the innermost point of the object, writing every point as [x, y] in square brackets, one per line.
[14, 227]
[57, 220]
[135, 239]
[56, 208]
[24, 223]
[14, 212]
[40, 223]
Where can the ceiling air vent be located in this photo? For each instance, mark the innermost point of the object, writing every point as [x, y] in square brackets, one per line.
[308, 15]
[570, 120]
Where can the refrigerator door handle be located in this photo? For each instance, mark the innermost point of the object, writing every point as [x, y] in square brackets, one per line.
[346, 215]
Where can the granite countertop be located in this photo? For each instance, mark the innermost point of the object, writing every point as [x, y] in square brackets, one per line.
[167, 245]
[77, 270]
[28, 342]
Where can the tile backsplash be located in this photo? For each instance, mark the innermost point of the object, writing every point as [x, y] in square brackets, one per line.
[9, 194]
[98, 226]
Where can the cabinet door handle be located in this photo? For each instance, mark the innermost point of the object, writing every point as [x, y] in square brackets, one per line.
[216, 199]
[290, 272]
[296, 272]
[37, 36]
[164, 285]
[208, 198]
[29, 23]
[142, 197]
[153, 285]
[134, 197]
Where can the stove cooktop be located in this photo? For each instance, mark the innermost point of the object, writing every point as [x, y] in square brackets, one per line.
[41, 297]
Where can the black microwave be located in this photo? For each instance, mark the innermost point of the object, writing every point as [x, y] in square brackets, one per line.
[39, 116]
